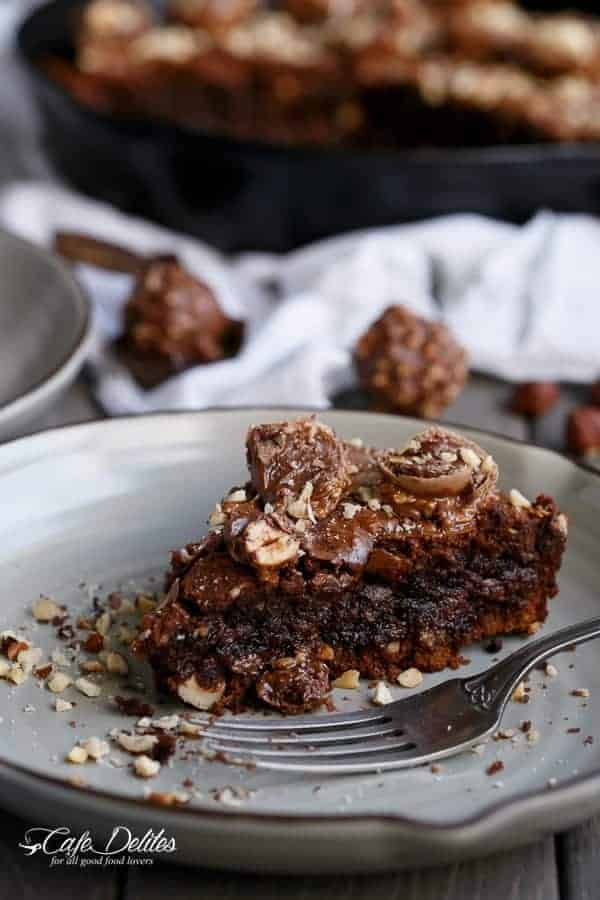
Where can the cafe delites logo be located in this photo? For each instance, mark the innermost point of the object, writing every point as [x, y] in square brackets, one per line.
[123, 847]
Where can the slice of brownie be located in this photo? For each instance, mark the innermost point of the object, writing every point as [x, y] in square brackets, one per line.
[337, 557]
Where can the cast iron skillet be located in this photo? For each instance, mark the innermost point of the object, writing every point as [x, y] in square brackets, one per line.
[240, 195]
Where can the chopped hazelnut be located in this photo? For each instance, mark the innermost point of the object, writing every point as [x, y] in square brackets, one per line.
[136, 743]
[95, 748]
[103, 623]
[189, 729]
[45, 610]
[58, 682]
[17, 675]
[87, 687]
[77, 755]
[518, 500]
[61, 705]
[116, 664]
[519, 694]
[349, 680]
[146, 767]
[410, 678]
[191, 692]
[382, 694]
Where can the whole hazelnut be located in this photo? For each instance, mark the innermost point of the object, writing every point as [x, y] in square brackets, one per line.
[534, 398]
[595, 394]
[410, 365]
[583, 431]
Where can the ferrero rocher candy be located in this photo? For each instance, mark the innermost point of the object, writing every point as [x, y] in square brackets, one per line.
[409, 364]
[173, 321]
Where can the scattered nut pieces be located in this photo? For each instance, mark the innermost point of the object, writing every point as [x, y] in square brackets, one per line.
[410, 678]
[146, 767]
[45, 610]
[580, 692]
[191, 692]
[103, 623]
[533, 736]
[61, 705]
[382, 694]
[348, 680]
[518, 500]
[5, 668]
[87, 687]
[29, 658]
[189, 729]
[91, 665]
[58, 682]
[136, 743]
[95, 748]
[519, 694]
[238, 496]
[17, 675]
[77, 755]
[117, 664]
[349, 510]
[550, 670]
[470, 457]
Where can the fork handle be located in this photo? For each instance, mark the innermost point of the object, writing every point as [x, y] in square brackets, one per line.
[494, 687]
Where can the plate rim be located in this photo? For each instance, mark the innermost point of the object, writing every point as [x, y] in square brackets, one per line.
[500, 815]
[75, 354]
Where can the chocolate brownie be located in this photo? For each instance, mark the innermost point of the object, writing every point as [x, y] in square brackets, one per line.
[411, 555]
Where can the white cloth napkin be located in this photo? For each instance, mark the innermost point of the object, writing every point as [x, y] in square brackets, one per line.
[525, 301]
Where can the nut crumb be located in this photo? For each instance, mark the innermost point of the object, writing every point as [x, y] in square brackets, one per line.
[87, 687]
[410, 678]
[95, 748]
[518, 500]
[382, 694]
[45, 609]
[77, 755]
[349, 680]
[146, 767]
[61, 705]
[58, 682]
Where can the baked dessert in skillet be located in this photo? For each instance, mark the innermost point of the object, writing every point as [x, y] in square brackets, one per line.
[379, 73]
[337, 557]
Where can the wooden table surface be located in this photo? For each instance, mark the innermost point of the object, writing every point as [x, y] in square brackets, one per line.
[565, 866]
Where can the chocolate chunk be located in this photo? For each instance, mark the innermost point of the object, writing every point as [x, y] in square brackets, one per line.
[299, 467]
[133, 706]
[410, 365]
[173, 321]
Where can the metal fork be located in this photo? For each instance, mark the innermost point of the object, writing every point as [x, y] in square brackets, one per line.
[434, 724]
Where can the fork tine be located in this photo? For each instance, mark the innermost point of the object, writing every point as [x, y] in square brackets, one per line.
[298, 723]
[399, 759]
[337, 736]
[339, 751]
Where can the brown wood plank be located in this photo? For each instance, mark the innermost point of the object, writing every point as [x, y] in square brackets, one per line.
[578, 854]
[525, 874]
[33, 878]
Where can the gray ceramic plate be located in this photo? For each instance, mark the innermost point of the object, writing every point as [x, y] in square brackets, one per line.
[104, 503]
[44, 331]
